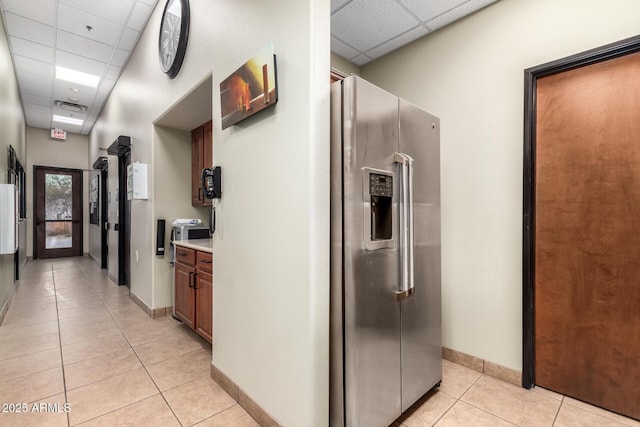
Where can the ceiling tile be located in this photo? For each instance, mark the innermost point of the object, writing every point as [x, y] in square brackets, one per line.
[35, 99]
[33, 84]
[342, 48]
[355, 22]
[37, 109]
[337, 4]
[88, 124]
[152, 2]
[31, 50]
[80, 63]
[23, 63]
[458, 13]
[128, 40]
[62, 91]
[139, 16]
[113, 72]
[38, 10]
[120, 57]
[27, 29]
[75, 21]
[83, 46]
[113, 10]
[38, 120]
[428, 10]
[105, 88]
[399, 41]
[361, 59]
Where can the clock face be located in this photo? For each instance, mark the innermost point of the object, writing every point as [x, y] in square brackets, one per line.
[174, 31]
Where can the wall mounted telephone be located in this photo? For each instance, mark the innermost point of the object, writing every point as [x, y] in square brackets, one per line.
[212, 189]
[211, 182]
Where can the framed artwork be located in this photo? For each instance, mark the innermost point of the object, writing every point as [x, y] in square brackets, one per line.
[250, 89]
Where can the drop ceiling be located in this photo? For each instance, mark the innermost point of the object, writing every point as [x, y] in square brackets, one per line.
[364, 30]
[90, 36]
[97, 37]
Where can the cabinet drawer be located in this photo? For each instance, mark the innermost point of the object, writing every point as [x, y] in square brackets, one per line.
[204, 261]
[185, 255]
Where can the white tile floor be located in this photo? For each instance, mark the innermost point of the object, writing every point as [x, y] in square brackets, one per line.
[71, 336]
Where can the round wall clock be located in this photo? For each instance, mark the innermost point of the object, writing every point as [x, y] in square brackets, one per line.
[174, 33]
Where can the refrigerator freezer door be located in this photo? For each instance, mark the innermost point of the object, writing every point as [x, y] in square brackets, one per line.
[371, 314]
[421, 324]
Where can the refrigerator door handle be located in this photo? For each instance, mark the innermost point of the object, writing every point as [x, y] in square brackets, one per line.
[407, 287]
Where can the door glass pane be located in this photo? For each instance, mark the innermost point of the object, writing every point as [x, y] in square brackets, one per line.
[58, 205]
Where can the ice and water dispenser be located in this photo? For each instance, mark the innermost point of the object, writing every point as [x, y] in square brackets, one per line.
[381, 191]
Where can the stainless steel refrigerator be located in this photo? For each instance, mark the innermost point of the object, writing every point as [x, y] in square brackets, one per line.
[385, 254]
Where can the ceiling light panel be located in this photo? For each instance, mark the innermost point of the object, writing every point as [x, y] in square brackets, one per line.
[27, 29]
[116, 11]
[78, 77]
[75, 21]
[67, 120]
[38, 10]
[83, 46]
[428, 10]
[139, 16]
[354, 22]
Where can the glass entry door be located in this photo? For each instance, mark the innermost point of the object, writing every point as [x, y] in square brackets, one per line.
[58, 202]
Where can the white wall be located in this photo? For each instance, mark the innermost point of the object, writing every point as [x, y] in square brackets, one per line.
[172, 195]
[470, 74]
[12, 129]
[271, 251]
[72, 154]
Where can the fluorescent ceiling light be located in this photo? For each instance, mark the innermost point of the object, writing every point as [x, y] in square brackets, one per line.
[68, 120]
[79, 77]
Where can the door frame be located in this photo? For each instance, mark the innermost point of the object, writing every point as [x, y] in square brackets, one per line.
[37, 168]
[531, 75]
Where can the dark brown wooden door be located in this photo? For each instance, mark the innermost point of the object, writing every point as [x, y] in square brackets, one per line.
[184, 297]
[201, 157]
[587, 234]
[58, 212]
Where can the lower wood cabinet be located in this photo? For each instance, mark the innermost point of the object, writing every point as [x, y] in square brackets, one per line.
[194, 290]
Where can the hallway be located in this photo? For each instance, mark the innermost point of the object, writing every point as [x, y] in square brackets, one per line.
[72, 335]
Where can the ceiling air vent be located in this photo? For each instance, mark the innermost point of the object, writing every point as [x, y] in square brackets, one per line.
[70, 106]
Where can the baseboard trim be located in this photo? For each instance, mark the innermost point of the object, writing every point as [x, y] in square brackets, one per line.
[5, 307]
[154, 313]
[247, 403]
[491, 369]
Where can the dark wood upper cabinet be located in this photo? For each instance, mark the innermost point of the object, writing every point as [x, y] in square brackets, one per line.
[201, 157]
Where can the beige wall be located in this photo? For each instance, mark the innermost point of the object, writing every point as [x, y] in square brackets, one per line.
[271, 250]
[73, 154]
[12, 129]
[470, 74]
[343, 65]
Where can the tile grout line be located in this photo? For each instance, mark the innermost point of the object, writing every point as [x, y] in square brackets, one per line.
[456, 401]
[64, 379]
[137, 356]
[558, 411]
[477, 407]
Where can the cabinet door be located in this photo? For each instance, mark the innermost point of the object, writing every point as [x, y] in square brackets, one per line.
[204, 305]
[185, 295]
[207, 145]
[197, 156]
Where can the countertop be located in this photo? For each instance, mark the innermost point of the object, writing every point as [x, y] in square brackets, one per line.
[204, 245]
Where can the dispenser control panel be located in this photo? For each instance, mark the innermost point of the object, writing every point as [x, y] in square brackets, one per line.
[380, 185]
